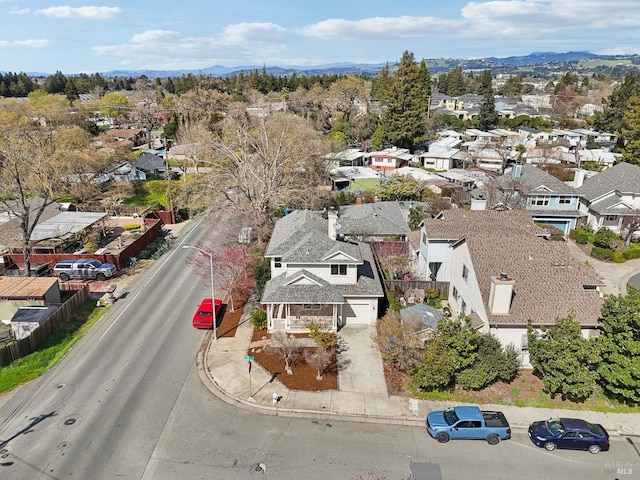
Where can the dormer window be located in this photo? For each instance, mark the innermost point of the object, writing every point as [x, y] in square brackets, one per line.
[338, 269]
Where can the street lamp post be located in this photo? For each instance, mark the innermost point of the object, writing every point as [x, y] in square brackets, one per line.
[213, 299]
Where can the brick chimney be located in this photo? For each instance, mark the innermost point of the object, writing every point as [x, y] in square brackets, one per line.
[501, 294]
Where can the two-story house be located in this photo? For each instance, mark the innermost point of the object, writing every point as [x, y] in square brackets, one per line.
[502, 274]
[315, 276]
[548, 199]
[611, 197]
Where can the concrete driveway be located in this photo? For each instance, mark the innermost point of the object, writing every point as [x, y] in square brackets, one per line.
[615, 275]
[360, 368]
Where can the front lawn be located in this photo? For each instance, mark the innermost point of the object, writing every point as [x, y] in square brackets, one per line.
[59, 343]
[526, 390]
[149, 192]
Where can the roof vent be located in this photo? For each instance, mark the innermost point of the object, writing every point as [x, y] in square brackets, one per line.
[504, 276]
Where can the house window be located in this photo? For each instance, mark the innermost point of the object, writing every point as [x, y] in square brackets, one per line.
[610, 218]
[564, 200]
[424, 238]
[277, 262]
[465, 272]
[539, 200]
[311, 307]
[455, 293]
[338, 269]
[463, 308]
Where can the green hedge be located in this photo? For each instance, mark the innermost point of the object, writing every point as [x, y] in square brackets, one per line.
[602, 253]
[582, 238]
[631, 254]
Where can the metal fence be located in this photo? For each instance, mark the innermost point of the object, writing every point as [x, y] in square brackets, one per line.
[21, 348]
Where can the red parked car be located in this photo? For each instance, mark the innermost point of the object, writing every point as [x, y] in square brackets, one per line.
[203, 318]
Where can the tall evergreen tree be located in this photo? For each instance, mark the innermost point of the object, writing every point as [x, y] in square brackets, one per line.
[619, 369]
[455, 82]
[487, 117]
[631, 131]
[611, 119]
[405, 106]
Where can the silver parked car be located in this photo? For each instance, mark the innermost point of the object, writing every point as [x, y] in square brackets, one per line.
[85, 269]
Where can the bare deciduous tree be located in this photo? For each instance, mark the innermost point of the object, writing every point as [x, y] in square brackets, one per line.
[263, 163]
[286, 347]
[319, 359]
[34, 169]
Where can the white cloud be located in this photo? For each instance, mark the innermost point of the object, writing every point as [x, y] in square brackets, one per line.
[536, 17]
[32, 43]
[18, 11]
[169, 49]
[380, 28]
[93, 13]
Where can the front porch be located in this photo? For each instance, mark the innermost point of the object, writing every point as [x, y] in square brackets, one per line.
[295, 317]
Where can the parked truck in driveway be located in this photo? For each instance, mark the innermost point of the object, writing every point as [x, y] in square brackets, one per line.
[469, 423]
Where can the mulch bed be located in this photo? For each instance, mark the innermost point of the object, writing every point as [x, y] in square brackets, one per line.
[304, 375]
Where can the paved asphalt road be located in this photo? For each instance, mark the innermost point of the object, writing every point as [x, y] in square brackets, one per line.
[126, 402]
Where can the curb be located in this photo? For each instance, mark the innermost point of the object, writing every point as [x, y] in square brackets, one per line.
[249, 405]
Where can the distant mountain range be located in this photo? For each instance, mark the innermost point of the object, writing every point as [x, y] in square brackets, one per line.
[533, 60]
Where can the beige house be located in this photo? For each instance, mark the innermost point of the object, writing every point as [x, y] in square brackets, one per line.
[16, 292]
[503, 273]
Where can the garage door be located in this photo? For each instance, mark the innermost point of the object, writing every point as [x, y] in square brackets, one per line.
[356, 314]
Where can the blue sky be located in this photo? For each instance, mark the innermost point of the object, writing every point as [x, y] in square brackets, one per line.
[74, 37]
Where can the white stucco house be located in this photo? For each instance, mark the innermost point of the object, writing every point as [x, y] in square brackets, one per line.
[315, 276]
[611, 197]
[503, 273]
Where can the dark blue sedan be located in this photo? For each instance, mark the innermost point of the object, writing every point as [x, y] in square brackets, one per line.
[569, 433]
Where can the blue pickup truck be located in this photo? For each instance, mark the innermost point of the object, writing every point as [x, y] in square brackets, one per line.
[469, 423]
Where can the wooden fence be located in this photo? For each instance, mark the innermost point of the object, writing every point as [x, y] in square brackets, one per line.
[120, 260]
[21, 348]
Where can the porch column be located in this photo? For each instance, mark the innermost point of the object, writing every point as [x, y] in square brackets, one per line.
[270, 317]
[287, 318]
[334, 319]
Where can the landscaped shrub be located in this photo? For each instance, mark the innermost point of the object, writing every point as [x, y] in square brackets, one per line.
[631, 254]
[131, 226]
[259, 319]
[605, 238]
[394, 302]
[602, 253]
[582, 238]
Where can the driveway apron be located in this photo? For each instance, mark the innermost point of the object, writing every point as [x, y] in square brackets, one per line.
[360, 366]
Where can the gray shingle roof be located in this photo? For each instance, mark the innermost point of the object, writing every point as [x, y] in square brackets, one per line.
[379, 218]
[611, 205]
[302, 238]
[622, 177]
[535, 177]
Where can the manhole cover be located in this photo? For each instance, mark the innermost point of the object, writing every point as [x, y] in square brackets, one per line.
[258, 468]
[626, 430]
[70, 421]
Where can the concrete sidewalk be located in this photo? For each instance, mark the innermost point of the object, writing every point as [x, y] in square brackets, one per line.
[224, 370]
